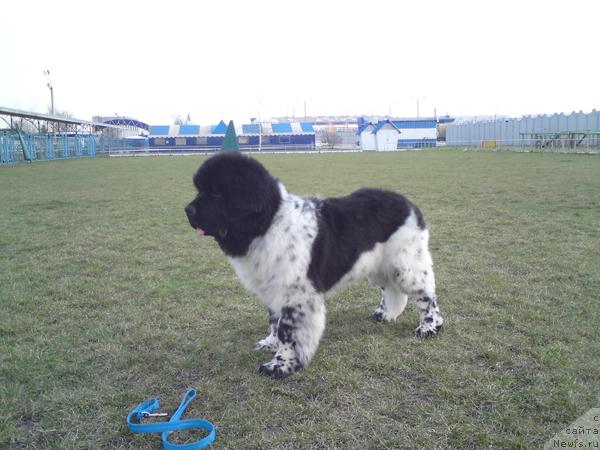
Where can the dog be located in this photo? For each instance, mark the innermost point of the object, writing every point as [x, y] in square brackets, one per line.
[292, 252]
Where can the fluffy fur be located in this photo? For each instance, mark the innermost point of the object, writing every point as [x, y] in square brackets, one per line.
[293, 251]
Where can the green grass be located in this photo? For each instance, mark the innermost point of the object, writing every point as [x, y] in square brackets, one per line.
[108, 297]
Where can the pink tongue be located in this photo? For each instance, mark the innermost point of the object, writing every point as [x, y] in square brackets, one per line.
[199, 231]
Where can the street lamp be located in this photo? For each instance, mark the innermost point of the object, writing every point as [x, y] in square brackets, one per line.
[259, 125]
[49, 84]
[390, 108]
[417, 99]
[305, 101]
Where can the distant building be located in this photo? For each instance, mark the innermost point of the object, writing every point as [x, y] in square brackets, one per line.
[443, 122]
[393, 134]
[127, 126]
[343, 126]
[293, 135]
[417, 133]
[321, 123]
[381, 136]
[367, 138]
[577, 129]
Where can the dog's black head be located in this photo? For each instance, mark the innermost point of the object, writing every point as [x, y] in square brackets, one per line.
[237, 199]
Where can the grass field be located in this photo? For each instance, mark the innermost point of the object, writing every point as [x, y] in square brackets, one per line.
[108, 297]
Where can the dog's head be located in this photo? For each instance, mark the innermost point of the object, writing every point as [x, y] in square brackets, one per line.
[237, 199]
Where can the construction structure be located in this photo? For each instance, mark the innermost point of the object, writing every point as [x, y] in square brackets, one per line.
[33, 122]
[127, 126]
[562, 139]
[30, 136]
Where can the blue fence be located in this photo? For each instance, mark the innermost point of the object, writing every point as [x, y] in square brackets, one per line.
[15, 148]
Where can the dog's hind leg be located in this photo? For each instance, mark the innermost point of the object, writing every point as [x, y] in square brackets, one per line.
[299, 331]
[414, 275]
[271, 342]
[393, 302]
[419, 283]
[431, 320]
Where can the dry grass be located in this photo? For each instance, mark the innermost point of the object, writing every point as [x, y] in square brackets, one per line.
[107, 297]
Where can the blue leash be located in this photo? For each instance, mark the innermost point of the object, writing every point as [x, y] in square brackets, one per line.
[145, 410]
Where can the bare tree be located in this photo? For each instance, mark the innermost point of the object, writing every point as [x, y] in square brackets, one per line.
[330, 137]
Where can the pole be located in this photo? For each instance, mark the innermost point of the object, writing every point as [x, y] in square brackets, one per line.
[259, 136]
[259, 126]
[52, 98]
[49, 84]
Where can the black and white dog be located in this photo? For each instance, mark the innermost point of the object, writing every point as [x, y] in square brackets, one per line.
[293, 251]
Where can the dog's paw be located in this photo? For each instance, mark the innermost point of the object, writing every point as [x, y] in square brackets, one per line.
[267, 344]
[274, 370]
[426, 330]
[380, 315]
[279, 367]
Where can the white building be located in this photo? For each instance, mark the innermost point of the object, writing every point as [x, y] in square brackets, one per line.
[386, 135]
[382, 136]
[389, 134]
[367, 138]
[417, 133]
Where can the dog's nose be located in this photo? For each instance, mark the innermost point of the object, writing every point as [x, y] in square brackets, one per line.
[190, 210]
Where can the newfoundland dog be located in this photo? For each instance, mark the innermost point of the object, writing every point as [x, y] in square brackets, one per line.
[293, 251]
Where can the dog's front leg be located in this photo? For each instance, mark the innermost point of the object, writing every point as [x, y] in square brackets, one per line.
[299, 331]
[271, 342]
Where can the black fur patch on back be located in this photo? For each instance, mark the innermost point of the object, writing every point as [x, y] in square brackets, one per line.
[349, 226]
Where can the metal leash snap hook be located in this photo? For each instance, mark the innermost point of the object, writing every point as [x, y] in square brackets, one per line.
[147, 414]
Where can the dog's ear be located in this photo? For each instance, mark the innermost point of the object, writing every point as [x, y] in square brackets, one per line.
[246, 186]
[254, 195]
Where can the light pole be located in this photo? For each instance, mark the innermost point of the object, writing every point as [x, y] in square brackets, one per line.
[418, 99]
[390, 108]
[259, 126]
[49, 84]
[306, 100]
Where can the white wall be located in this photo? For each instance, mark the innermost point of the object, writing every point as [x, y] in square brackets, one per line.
[418, 133]
[387, 138]
[367, 139]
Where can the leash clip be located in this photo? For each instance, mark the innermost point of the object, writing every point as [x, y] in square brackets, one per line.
[148, 414]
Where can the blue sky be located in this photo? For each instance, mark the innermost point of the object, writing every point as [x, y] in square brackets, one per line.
[238, 59]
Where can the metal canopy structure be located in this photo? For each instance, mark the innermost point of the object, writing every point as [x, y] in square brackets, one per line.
[561, 139]
[53, 123]
[127, 122]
